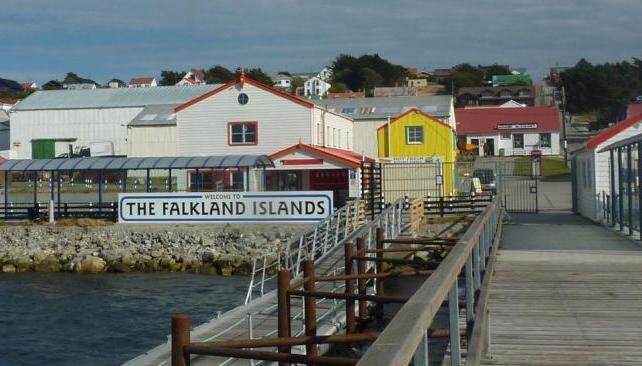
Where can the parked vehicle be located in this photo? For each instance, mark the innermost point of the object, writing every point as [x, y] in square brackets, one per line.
[487, 178]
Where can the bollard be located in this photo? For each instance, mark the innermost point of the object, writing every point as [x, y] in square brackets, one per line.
[181, 325]
[51, 212]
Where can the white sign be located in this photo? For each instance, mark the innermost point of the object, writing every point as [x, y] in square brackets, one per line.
[220, 207]
[517, 126]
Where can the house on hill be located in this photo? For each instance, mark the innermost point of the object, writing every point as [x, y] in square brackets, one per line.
[193, 77]
[116, 83]
[490, 96]
[143, 82]
[73, 81]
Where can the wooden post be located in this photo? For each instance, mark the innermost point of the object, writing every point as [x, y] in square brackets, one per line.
[362, 284]
[379, 290]
[350, 316]
[181, 325]
[310, 307]
[283, 310]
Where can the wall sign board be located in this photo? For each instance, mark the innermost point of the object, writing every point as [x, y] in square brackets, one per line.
[222, 207]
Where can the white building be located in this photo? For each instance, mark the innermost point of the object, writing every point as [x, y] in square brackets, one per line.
[193, 77]
[325, 74]
[282, 81]
[243, 116]
[592, 168]
[45, 123]
[316, 87]
[510, 131]
[143, 82]
[371, 113]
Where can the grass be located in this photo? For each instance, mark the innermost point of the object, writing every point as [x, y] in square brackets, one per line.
[552, 166]
[586, 117]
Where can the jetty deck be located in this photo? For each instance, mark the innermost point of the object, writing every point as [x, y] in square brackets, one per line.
[565, 292]
[236, 324]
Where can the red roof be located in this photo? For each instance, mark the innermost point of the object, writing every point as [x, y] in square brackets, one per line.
[633, 109]
[243, 80]
[480, 121]
[350, 158]
[606, 134]
[8, 101]
[141, 81]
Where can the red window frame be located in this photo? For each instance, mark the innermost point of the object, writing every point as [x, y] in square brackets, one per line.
[229, 133]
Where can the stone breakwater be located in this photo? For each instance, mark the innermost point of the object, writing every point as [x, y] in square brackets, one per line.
[211, 249]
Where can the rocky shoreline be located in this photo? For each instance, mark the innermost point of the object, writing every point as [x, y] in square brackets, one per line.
[212, 249]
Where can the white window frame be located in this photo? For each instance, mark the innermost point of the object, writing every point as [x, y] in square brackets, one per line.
[408, 138]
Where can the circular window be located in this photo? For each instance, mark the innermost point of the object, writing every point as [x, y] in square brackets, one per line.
[243, 99]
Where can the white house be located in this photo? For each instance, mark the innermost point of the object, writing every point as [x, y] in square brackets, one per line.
[193, 77]
[282, 81]
[247, 117]
[371, 113]
[45, 123]
[316, 87]
[143, 82]
[592, 168]
[510, 131]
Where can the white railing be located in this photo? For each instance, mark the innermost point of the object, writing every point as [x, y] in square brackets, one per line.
[326, 235]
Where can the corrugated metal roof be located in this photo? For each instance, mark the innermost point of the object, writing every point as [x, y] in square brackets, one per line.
[123, 163]
[382, 107]
[155, 115]
[112, 98]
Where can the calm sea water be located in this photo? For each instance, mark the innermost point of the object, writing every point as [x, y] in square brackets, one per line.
[105, 319]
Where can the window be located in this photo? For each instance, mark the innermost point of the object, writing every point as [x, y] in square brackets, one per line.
[347, 110]
[242, 133]
[243, 99]
[544, 140]
[414, 135]
[505, 136]
[505, 93]
[518, 141]
[524, 93]
[237, 180]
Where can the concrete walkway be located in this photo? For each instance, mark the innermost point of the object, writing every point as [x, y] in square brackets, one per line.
[565, 292]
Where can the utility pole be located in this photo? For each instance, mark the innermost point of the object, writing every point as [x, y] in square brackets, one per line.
[564, 126]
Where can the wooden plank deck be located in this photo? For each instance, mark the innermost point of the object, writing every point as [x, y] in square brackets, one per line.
[556, 307]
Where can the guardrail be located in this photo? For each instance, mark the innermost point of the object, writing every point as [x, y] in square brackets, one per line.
[406, 336]
[30, 211]
[456, 205]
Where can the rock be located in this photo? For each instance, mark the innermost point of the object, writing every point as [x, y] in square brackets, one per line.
[118, 268]
[92, 264]
[23, 264]
[8, 268]
[128, 260]
[49, 264]
[207, 268]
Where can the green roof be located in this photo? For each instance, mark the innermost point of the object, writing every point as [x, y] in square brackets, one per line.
[508, 80]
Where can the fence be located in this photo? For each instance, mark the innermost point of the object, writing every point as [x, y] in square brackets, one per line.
[456, 205]
[30, 211]
[406, 336]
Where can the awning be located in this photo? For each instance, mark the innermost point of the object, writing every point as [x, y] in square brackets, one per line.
[622, 143]
[124, 163]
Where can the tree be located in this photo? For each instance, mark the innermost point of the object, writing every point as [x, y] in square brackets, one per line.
[463, 75]
[495, 69]
[338, 87]
[297, 81]
[286, 73]
[169, 77]
[366, 72]
[605, 88]
[218, 75]
[256, 74]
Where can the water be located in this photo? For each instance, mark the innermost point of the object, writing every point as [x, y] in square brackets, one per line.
[104, 319]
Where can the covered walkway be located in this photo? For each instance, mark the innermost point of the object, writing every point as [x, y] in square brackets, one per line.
[565, 292]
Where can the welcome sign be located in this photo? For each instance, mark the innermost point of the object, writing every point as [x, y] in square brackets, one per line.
[221, 207]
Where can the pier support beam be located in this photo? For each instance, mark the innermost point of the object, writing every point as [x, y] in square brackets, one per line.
[181, 326]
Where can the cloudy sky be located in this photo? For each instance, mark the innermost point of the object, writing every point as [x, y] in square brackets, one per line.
[103, 39]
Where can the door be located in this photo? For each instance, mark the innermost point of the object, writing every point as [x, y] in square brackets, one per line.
[491, 147]
[43, 149]
[476, 143]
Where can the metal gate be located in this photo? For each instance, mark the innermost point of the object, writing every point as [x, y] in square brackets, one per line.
[516, 185]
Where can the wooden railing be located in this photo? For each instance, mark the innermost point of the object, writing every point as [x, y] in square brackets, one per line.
[406, 336]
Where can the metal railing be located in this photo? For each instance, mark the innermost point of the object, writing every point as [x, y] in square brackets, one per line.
[345, 224]
[406, 336]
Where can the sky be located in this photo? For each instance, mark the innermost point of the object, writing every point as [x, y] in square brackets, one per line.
[105, 39]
